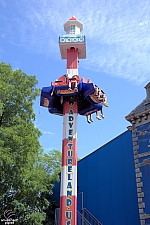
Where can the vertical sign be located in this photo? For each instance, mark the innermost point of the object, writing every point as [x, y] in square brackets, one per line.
[68, 192]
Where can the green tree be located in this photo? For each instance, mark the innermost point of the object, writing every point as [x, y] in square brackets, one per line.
[27, 175]
[52, 165]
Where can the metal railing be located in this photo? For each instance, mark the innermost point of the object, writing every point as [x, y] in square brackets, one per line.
[89, 217]
[81, 220]
[56, 216]
[86, 218]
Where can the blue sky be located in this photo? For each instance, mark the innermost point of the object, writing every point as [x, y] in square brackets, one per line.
[118, 58]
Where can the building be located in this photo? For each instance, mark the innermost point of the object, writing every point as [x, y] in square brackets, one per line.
[140, 120]
[114, 180]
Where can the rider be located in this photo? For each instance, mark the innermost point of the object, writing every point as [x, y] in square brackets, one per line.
[74, 79]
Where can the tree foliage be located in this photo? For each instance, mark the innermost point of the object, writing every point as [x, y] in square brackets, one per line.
[27, 174]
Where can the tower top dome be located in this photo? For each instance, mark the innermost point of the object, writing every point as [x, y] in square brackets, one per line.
[73, 18]
[73, 21]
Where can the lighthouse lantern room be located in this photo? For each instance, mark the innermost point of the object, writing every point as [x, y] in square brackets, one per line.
[73, 38]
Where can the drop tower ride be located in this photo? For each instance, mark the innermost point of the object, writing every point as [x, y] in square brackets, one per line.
[69, 96]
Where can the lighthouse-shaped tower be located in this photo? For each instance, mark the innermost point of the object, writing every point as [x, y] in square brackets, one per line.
[72, 45]
[70, 96]
[72, 48]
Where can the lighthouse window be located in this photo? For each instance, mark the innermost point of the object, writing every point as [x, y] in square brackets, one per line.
[71, 29]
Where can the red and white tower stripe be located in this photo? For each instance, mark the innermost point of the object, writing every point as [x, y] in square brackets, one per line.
[68, 192]
[72, 62]
[72, 46]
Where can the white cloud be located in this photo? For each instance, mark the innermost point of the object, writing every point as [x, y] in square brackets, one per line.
[48, 132]
[117, 32]
[36, 124]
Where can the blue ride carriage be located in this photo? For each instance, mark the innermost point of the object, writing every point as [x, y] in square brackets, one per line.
[89, 97]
